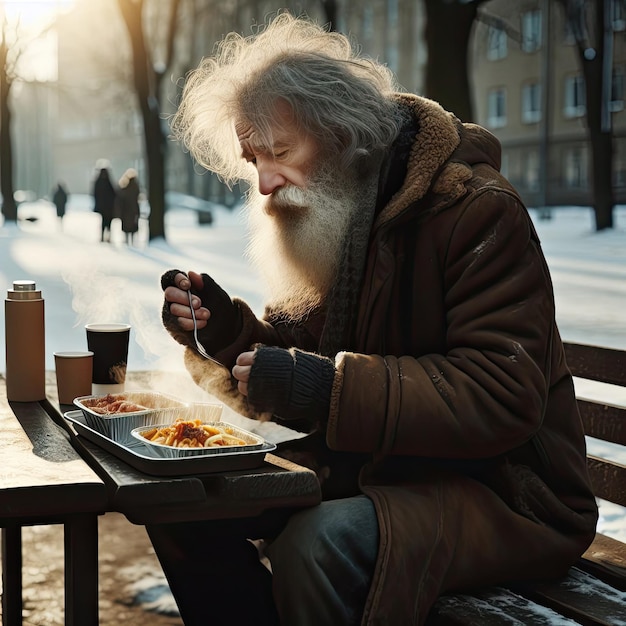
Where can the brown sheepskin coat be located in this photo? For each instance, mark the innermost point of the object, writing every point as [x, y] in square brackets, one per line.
[456, 390]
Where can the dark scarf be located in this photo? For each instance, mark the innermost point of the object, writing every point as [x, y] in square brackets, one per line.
[384, 176]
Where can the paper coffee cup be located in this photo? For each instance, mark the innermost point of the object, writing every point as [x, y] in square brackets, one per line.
[73, 373]
[109, 344]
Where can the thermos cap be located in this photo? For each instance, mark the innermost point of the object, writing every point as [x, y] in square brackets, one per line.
[24, 290]
[24, 285]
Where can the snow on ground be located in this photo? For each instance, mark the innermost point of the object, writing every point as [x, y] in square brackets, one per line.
[83, 280]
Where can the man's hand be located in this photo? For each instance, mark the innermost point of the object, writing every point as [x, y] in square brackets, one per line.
[241, 371]
[219, 318]
[176, 295]
[292, 384]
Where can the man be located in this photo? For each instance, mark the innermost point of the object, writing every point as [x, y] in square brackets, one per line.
[410, 328]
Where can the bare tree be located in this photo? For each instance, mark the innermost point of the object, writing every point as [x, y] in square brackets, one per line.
[148, 80]
[590, 23]
[7, 76]
[330, 11]
[449, 26]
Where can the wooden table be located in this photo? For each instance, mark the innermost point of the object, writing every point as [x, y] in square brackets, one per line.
[45, 481]
[51, 475]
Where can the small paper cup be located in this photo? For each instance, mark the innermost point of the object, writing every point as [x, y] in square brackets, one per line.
[73, 374]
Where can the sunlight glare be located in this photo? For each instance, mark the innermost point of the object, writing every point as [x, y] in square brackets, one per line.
[27, 28]
[34, 12]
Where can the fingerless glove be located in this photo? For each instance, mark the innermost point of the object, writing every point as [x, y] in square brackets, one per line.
[223, 326]
[292, 384]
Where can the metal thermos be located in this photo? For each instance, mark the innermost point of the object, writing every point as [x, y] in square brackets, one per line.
[25, 343]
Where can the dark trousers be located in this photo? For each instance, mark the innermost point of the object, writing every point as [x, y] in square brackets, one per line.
[214, 571]
[322, 560]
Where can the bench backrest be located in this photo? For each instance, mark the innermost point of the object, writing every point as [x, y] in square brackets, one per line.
[602, 419]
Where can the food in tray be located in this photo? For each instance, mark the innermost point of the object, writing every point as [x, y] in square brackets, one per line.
[116, 415]
[112, 403]
[193, 434]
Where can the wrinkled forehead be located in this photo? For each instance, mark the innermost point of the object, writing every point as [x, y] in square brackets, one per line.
[260, 130]
[248, 136]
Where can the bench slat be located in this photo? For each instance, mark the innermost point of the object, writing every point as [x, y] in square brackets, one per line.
[603, 421]
[606, 559]
[493, 607]
[608, 479]
[581, 597]
[596, 363]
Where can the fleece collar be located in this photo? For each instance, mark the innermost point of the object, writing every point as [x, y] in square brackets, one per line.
[437, 138]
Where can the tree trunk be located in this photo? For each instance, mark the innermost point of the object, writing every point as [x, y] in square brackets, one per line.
[154, 138]
[144, 80]
[448, 29]
[330, 10]
[9, 207]
[588, 26]
[603, 201]
[600, 138]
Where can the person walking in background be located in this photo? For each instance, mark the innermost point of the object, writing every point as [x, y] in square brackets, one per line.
[409, 330]
[60, 197]
[105, 197]
[129, 204]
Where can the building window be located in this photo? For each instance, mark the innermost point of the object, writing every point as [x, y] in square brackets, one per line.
[569, 39]
[618, 15]
[574, 96]
[136, 124]
[531, 103]
[531, 30]
[530, 162]
[617, 90]
[496, 108]
[368, 22]
[78, 130]
[114, 125]
[496, 44]
[575, 169]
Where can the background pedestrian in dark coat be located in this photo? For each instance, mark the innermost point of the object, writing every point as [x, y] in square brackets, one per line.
[129, 204]
[60, 197]
[104, 201]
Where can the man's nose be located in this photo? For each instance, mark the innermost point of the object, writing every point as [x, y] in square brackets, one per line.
[270, 179]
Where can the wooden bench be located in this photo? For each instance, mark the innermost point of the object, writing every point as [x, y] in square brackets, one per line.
[594, 591]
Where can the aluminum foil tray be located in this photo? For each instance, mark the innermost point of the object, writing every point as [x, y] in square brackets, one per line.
[159, 450]
[134, 454]
[159, 408]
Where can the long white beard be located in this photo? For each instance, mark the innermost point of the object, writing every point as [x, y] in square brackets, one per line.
[296, 239]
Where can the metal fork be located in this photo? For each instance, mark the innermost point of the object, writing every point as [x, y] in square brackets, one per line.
[199, 347]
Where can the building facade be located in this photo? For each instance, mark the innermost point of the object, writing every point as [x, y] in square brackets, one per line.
[530, 92]
[525, 76]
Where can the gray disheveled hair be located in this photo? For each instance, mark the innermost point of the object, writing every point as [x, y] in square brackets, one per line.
[336, 95]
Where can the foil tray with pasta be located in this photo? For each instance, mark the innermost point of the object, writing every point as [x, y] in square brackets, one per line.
[189, 438]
